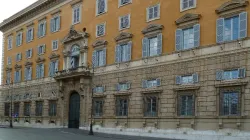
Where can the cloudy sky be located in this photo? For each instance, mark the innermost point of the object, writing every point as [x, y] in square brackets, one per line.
[6, 11]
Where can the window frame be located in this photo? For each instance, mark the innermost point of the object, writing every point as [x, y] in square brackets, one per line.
[52, 108]
[44, 29]
[27, 111]
[80, 14]
[29, 76]
[10, 42]
[6, 109]
[129, 24]
[100, 107]
[105, 10]
[16, 109]
[125, 112]
[39, 108]
[104, 29]
[185, 9]
[145, 112]
[19, 37]
[159, 12]
[29, 50]
[9, 60]
[53, 41]
[27, 35]
[43, 49]
[179, 101]
[120, 3]
[56, 29]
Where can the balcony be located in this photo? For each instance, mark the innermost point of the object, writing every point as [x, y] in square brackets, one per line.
[73, 73]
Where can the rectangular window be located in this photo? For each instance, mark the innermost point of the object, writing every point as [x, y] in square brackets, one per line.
[16, 109]
[123, 86]
[54, 45]
[30, 34]
[100, 29]
[153, 12]
[17, 76]
[186, 105]
[10, 41]
[231, 28]
[41, 49]
[28, 73]
[76, 14]
[18, 57]
[99, 58]
[230, 105]
[101, 7]
[124, 22]
[98, 107]
[124, 2]
[52, 108]
[123, 52]
[7, 109]
[150, 106]
[39, 71]
[99, 89]
[39, 108]
[151, 83]
[29, 53]
[8, 77]
[26, 109]
[187, 79]
[231, 74]
[19, 39]
[9, 60]
[187, 4]
[188, 38]
[55, 23]
[121, 107]
[53, 68]
[42, 29]
[153, 46]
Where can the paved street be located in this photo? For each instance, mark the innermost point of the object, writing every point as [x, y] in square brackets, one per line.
[59, 134]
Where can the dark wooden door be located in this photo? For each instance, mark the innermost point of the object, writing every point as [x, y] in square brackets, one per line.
[74, 110]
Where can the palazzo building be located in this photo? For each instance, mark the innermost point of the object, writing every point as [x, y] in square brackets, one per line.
[151, 64]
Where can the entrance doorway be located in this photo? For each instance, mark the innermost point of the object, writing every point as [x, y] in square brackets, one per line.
[74, 110]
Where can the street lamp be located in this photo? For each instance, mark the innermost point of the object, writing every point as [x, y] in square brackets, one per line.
[92, 100]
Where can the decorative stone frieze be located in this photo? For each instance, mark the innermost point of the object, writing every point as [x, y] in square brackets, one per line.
[58, 11]
[232, 7]
[18, 67]
[123, 37]
[76, 2]
[28, 64]
[188, 19]
[8, 68]
[100, 43]
[152, 29]
[74, 35]
[54, 56]
[40, 59]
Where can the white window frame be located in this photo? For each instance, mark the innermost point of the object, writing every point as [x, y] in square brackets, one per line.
[32, 37]
[20, 39]
[9, 60]
[120, 28]
[159, 13]
[80, 13]
[10, 45]
[44, 31]
[30, 53]
[184, 9]
[105, 10]
[19, 58]
[53, 18]
[44, 47]
[120, 3]
[104, 24]
[53, 45]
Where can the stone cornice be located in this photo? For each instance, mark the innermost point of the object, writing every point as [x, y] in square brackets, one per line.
[74, 35]
[100, 43]
[28, 64]
[40, 60]
[187, 18]
[123, 36]
[232, 4]
[17, 67]
[8, 68]
[54, 56]
[152, 28]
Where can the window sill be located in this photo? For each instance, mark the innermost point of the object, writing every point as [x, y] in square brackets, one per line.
[100, 36]
[54, 50]
[157, 18]
[186, 117]
[186, 50]
[121, 117]
[99, 14]
[98, 117]
[236, 82]
[30, 41]
[123, 93]
[155, 117]
[99, 95]
[40, 37]
[186, 9]
[122, 5]
[187, 87]
[231, 117]
[151, 90]
[122, 29]
[54, 31]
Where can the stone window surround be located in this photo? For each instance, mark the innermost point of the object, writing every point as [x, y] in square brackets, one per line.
[18, 67]
[121, 5]
[152, 30]
[19, 31]
[98, 98]
[155, 93]
[105, 11]
[10, 36]
[159, 12]
[75, 6]
[40, 21]
[40, 60]
[188, 20]
[123, 38]
[28, 64]
[104, 24]
[30, 26]
[181, 7]
[54, 56]
[232, 8]
[100, 44]
[126, 96]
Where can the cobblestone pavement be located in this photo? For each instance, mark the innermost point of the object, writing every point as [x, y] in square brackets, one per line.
[60, 134]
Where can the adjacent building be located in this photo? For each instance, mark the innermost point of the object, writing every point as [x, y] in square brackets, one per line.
[151, 64]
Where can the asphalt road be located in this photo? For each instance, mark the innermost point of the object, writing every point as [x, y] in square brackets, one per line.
[59, 134]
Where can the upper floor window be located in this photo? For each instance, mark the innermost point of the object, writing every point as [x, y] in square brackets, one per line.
[123, 52]
[41, 29]
[153, 12]
[232, 28]
[101, 6]
[8, 77]
[30, 34]
[187, 79]
[152, 46]
[19, 39]
[55, 23]
[124, 2]
[151, 83]
[17, 76]
[39, 71]
[76, 14]
[123, 86]
[8, 60]
[18, 57]
[99, 57]
[187, 4]
[10, 42]
[28, 73]
[100, 29]
[29, 53]
[99, 89]
[54, 45]
[231, 74]
[53, 67]
[41, 49]
[124, 22]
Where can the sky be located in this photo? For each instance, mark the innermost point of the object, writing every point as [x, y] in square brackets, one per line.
[6, 12]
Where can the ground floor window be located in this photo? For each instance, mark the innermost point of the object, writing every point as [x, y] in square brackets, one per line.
[186, 104]
[16, 109]
[7, 109]
[98, 107]
[122, 106]
[26, 109]
[39, 108]
[52, 108]
[230, 103]
[150, 106]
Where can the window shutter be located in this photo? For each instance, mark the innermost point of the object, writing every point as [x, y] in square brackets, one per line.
[178, 39]
[21, 38]
[129, 51]
[59, 23]
[242, 73]
[196, 35]
[38, 52]
[27, 35]
[144, 84]
[37, 71]
[195, 78]
[25, 74]
[57, 65]
[32, 34]
[219, 75]
[104, 56]
[128, 86]
[31, 50]
[158, 81]
[20, 76]
[15, 77]
[117, 54]
[38, 31]
[42, 71]
[30, 73]
[44, 48]
[220, 30]
[243, 25]
[27, 53]
[178, 80]
[50, 68]
[20, 56]
[94, 63]
[52, 29]
[44, 29]
[145, 47]
[159, 44]
[118, 88]
[16, 41]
